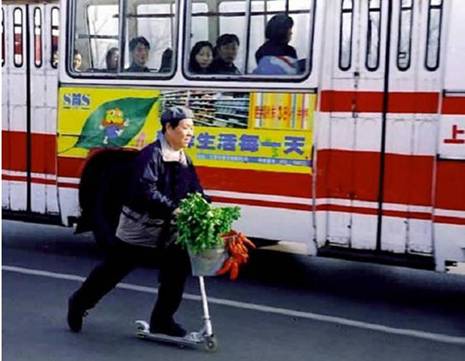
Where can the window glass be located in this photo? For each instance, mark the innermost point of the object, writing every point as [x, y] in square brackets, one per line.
[54, 33]
[277, 33]
[199, 23]
[373, 35]
[404, 42]
[3, 37]
[103, 34]
[18, 37]
[345, 35]
[434, 34]
[37, 37]
[156, 23]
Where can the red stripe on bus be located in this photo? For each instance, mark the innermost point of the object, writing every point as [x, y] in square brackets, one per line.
[14, 150]
[226, 179]
[453, 105]
[43, 152]
[372, 101]
[449, 220]
[450, 185]
[408, 179]
[254, 181]
[17, 178]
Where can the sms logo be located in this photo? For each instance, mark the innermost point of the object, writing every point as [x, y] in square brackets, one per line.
[76, 100]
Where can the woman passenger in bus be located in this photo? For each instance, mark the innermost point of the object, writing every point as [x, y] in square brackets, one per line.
[139, 48]
[276, 56]
[201, 58]
[111, 59]
[227, 46]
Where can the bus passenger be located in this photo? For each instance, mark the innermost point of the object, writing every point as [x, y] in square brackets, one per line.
[139, 48]
[111, 59]
[55, 57]
[201, 58]
[77, 60]
[276, 56]
[166, 61]
[227, 46]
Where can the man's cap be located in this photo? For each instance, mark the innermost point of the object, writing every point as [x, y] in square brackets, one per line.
[176, 113]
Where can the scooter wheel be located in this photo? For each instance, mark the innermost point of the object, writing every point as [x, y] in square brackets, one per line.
[211, 344]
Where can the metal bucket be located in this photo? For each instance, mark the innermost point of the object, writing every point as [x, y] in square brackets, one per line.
[208, 262]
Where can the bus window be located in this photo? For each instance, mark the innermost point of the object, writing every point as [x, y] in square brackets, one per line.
[238, 32]
[345, 34]
[433, 43]
[404, 42]
[54, 33]
[373, 35]
[151, 37]
[142, 43]
[38, 37]
[3, 37]
[18, 37]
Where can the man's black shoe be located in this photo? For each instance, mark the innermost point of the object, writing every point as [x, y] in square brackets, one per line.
[169, 328]
[75, 315]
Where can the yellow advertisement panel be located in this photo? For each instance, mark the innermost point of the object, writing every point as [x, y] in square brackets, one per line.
[95, 117]
[260, 131]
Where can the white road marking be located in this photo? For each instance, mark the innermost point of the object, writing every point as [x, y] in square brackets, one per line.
[262, 308]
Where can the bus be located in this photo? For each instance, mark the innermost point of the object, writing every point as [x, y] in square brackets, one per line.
[358, 152]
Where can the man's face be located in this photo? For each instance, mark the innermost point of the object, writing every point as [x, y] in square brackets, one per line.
[228, 52]
[140, 55]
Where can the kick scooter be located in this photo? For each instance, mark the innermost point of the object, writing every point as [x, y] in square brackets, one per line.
[204, 337]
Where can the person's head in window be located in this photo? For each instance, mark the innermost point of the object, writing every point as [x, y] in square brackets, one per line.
[227, 46]
[77, 60]
[55, 58]
[111, 59]
[201, 57]
[279, 29]
[166, 61]
[278, 33]
[139, 48]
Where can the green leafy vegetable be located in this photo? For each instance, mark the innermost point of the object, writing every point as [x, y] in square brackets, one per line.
[200, 225]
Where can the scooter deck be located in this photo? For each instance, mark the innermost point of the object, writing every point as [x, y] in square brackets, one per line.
[191, 339]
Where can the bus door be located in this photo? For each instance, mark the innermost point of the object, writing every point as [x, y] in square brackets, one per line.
[372, 132]
[43, 50]
[414, 82]
[29, 108]
[14, 109]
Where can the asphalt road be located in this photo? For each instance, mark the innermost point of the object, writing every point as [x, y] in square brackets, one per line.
[283, 307]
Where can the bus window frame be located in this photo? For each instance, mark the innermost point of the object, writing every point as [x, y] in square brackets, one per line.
[120, 74]
[402, 10]
[431, 8]
[298, 78]
[39, 26]
[21, 25]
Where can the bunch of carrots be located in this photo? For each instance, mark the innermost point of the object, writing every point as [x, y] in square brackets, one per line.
[236, 244]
